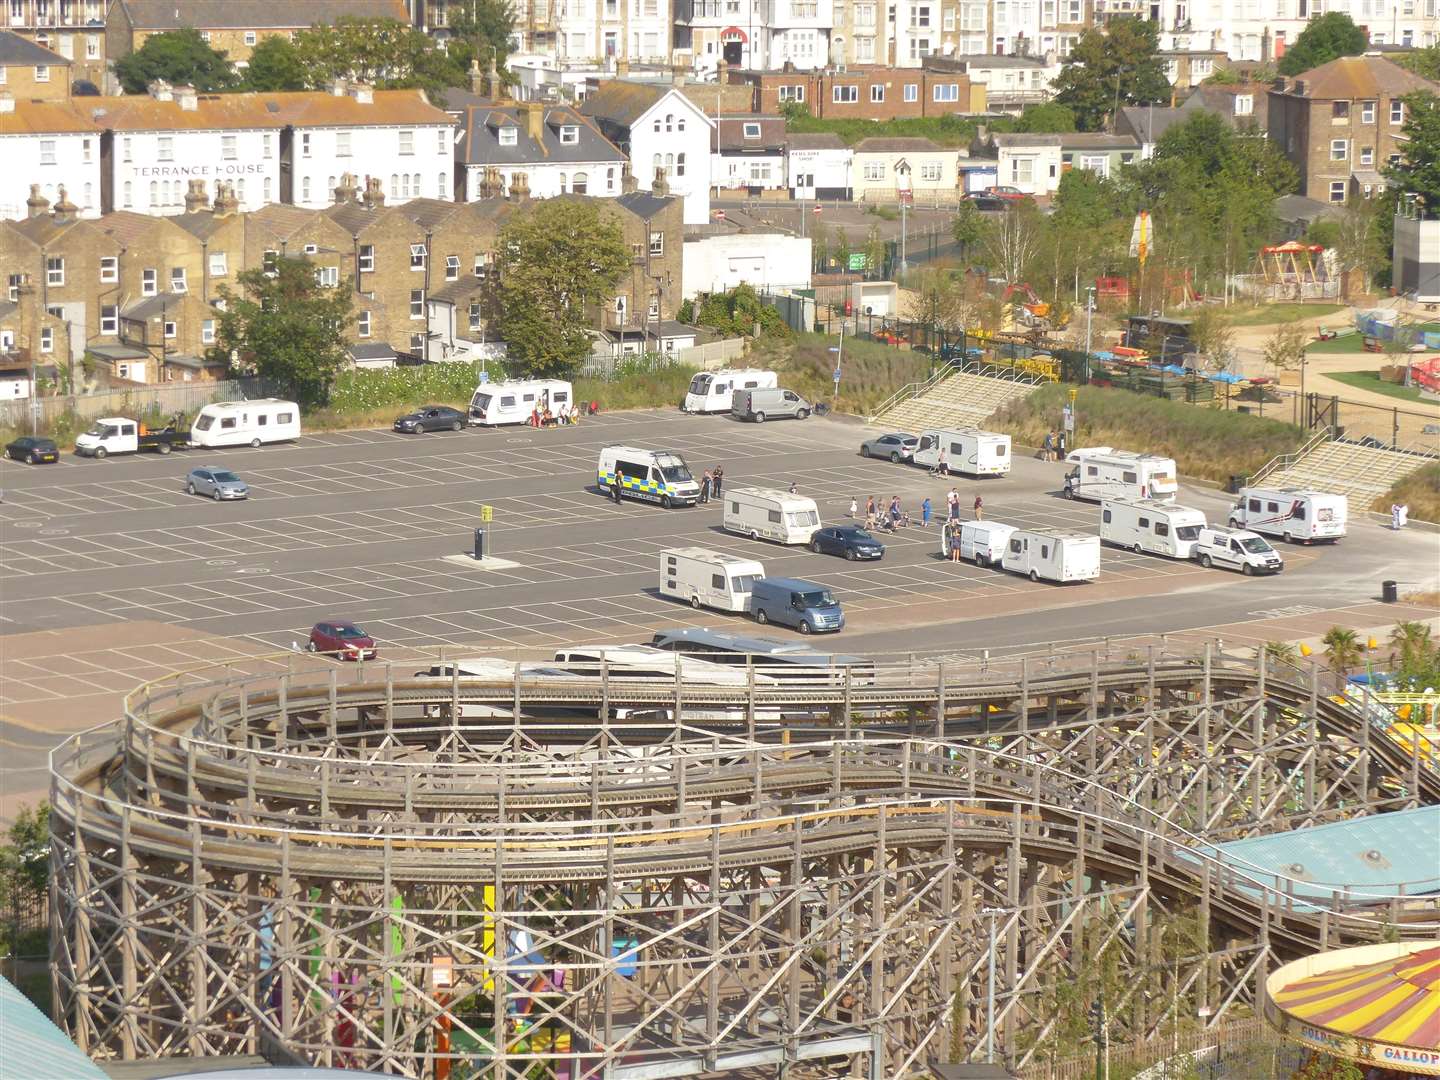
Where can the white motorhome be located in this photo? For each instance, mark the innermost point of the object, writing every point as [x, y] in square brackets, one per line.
[659, 476]
[1146, 525]
[515, 402]
[714, 391]
[982, 542]
[711, 579]
[964, 450]
[1293, 514]
[246, 423]
[770, 514]
[1053, 556]
[1102, 472]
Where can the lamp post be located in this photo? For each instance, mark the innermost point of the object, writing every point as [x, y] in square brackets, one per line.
[1089, 316]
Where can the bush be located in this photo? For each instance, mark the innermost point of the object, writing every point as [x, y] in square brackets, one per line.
[1207, 443]
[355, 391]
[1420, 491]
[870, 374]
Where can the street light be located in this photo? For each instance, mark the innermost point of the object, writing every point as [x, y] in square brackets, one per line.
[1089, 314]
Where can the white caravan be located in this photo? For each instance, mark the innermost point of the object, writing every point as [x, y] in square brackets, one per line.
[713, 391]
[982, 542]
[1053, 556]
[246, 423]
[515, 402]
[964, 450]
[1104, 473]
[770, 514]
[708, 578]
[1146, 525]
[1291, 513]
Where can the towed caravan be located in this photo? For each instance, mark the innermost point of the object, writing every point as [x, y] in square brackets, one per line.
[965, 450]
[770, 514]
[714, 391]
[1104, 473]
[1146, 525]
[246, 423]
[710, 579]
[515, 402]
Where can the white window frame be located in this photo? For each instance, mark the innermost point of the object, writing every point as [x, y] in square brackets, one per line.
[417, 303]
[165, 148]
[365, 258]
[569, 134]
[407, 143]
[47, 339]
[207, 332]
[877, 93]
[1339, 149]
[452, 267]
[110, 323]
[418, 257]
[178, 283]
[750, 130]
[219, 264]
[657, 243]
[109, 269]
[509, 135]
[55, 270]
[1367, 112]
[362, 323]
[250, 37]
[228, 149]
[1337, 191]
[1397, 112]
[912, 93]
[42, 73]
[149, 281]
[845, 94]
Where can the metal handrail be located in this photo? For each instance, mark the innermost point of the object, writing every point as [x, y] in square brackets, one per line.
[910, 391]
[1284, 461]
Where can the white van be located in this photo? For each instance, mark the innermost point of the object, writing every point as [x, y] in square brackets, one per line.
[982, 542]
[708, 578]
[714, 391]
[658, 476]
[1104, 473]
[1053, 556]
[1146, 525]
[1293, 514]
[770, 514]
[965, 450]
[1239, 550]
[246, 423]
[515, 402]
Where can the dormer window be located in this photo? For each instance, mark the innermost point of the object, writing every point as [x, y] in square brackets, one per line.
[752, 131]
[569, 134]
[509, 135]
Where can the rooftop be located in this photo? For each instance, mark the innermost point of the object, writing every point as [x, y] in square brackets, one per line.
[480, 142]
[253, 14]
[31, 1045]
[895, 145]
[623, 102]
[814, 140]
[46, 117]
[643, 204]
[16, 51]
[1348, 78]
[310, 108]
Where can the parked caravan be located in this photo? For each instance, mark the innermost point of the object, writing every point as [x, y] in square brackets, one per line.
[246, 423]
[1292, 514]
[982, 542]
[1053, 556]
[770, 514]
[1237, 549]
[498, 403]
[964, 450]
[658, 476]
[808, 607]
[1104, 473]
[708, 578]
[775, 404]
[713, 391]
[1146, 525]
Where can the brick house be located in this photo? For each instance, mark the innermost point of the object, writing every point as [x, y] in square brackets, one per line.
[651, 292]
[31, 73]
[747, 154]
[72, 29]
[864, 93]
[1340, 124]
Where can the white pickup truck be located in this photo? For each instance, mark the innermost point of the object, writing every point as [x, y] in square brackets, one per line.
[118, 435]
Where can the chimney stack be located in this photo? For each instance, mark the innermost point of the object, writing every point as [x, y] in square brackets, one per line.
[363, 93]
[226, 203]
[187, 97]
[628, 183]
[661, 187]
[374, 196]
[477, 82]
[491, 186]
[65, 210]
[520, 186]
[7, 102]
[161, 90]
[37, 204]
[535, 121]
[346, 191]
[195, 197]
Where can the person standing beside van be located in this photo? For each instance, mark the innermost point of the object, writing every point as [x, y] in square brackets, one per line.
[979, 509]
[954, 500]
[716, 475]
[705, 487]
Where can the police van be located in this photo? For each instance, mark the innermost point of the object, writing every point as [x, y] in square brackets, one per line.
[658, 476]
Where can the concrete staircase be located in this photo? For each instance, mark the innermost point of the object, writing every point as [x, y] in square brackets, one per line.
[1361, 473]
[961, 400]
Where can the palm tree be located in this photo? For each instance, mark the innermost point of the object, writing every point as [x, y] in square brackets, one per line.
[1411, 646]
[1281, 652]
[1342, 649]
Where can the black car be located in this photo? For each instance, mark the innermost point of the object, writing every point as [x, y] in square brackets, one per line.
[431, 418]
[984, 201]
[849, 540]
[34, 450]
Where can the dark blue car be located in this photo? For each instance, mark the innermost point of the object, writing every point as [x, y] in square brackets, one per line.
[849, 540]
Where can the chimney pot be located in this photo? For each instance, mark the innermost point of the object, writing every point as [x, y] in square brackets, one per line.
[187, 97]
[161, 90]
[7, 102]
[364, 93]
[65, 210]
[36, 204]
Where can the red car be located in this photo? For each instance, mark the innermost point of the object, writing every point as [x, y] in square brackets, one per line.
[345, 640]
[1014, 194]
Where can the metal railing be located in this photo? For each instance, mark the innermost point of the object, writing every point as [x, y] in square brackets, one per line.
[1285, 461]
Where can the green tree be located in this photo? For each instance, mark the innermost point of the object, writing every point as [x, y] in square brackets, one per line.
[485, 26]
[1411, 646]
[738, 312]
[25, 857]
[180, 57]
[1050, 118]
[875, 250]
[1423, 62]
[556, 261]
[968, 225]
[1214, 338]
[1107, 69]
[388, 53]
[1342, 649]
[1281, 652]
[1357, 243]
[1323, 39]
[1418, 171]
[286, 327]
[842, 248]
[1284, 349]
[275, 65]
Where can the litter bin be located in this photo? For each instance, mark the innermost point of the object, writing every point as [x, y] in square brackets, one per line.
[1389, 592]
[479, 543]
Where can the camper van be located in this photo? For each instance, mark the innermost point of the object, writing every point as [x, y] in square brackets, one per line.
[762, 405]
[1292, 514]
[1146, 525]
[493, 404]
[657, 476]
[965, 450]
[982, 542]
[708, 578]
[713, 391]
[246, 423]
[1104, 473]
[770, 514]
[1053, 556]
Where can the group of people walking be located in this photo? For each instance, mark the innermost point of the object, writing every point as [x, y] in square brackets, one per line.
[894, 516]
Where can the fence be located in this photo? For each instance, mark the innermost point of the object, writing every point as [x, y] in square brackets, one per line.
[708, 356]
[1243, 1050]
[166, 400]
[712, 354]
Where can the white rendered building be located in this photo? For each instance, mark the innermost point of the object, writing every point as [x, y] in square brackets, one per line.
[665, 135]
[53, 145]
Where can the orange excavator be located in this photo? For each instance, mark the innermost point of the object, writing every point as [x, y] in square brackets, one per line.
[1024, 309]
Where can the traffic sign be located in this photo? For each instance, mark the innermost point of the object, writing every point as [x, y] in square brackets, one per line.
[858, 261]
[817, 211]
[837, 374]
[487, 513]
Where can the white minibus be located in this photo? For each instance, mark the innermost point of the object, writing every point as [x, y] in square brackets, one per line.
[246, 423]
[770, 514]
[1053, 556]
[964, 450]
[1104, 473]
[659, 476]
[1146, 525]
[710, 579]
[714, 391]
[515, 402]
[1293, 514]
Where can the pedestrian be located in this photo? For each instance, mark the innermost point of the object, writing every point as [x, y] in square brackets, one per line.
[1060, 442]
[854, 508]
[954, 501]
[894, 511]
[717, 475]
[925, 513]
[705, 487]
[615, 489]
[794, 488]
[1399, 513]
[870, 508]
[979, 509]
[954, 530]
[1047, 453]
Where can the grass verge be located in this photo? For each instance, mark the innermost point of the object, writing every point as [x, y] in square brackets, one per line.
[1269, 314]
[1370, 380]
[1420, 491]
[870, 373]
[1207, 443]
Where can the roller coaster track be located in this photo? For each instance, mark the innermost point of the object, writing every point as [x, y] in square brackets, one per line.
[688, 878]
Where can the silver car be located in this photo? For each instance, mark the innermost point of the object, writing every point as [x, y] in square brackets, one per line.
[217, 483]
[897, 446]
